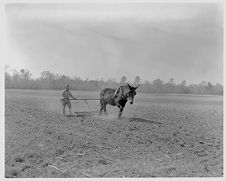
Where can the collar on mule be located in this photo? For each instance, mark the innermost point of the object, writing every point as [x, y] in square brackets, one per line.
[123, 96]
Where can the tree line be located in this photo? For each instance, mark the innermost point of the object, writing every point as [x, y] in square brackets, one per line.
[22, 80]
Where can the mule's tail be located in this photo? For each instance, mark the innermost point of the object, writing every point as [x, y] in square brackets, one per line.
[101, 101]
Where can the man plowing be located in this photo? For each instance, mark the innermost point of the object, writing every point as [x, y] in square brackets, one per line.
[66, 95]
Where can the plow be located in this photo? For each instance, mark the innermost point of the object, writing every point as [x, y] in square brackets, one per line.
[83, 113]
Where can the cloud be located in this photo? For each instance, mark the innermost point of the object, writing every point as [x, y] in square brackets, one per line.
[150, 40]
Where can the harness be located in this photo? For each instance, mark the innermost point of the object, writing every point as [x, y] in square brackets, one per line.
[123, 96]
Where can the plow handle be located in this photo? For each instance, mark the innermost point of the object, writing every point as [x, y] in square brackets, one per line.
[80, 99]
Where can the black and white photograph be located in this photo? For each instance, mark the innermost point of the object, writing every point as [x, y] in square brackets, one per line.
[130, 89]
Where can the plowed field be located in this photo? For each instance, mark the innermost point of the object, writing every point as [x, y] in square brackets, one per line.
[158, 136]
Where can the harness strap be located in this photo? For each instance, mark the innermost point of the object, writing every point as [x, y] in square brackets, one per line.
[116, 91]
[122, 95]
[122, 92]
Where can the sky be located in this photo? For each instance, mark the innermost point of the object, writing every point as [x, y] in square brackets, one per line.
[110, 40]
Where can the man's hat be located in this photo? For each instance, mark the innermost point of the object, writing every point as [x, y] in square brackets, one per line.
[67, 85]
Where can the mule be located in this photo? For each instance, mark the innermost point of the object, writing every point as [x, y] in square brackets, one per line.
[117, 97]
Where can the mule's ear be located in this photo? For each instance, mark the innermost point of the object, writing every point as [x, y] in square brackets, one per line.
[135, 87]
[129, 86]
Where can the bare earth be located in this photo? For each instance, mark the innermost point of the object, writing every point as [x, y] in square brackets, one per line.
[158, 136]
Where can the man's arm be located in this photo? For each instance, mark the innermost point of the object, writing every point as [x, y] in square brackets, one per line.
[72, 95]
[62, 94]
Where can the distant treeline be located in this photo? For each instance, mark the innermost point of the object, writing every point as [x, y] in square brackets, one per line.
[22, 80]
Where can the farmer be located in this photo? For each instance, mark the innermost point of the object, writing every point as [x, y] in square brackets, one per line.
[66, 95]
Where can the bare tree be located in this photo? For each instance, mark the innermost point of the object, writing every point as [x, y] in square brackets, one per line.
[137, 80]
[46, 75]
[25, 74]
[15, 74]
[158, 85]
[171, 81]
[183, 83]
[47, 80]
[123, 80]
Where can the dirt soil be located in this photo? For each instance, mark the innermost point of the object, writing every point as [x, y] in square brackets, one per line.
[158, 136]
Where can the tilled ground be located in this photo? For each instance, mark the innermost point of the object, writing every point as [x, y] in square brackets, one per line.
[168, 137]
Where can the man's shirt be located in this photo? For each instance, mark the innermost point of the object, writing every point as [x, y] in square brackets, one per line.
[67, 94]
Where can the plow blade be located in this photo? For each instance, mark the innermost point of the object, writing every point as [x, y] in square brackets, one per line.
[82, 114]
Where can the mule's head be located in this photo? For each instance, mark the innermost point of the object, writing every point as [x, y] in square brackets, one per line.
[131, 94]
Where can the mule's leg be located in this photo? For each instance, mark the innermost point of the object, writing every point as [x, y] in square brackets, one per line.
[105, 110]
[120, 112]
[101, 106]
